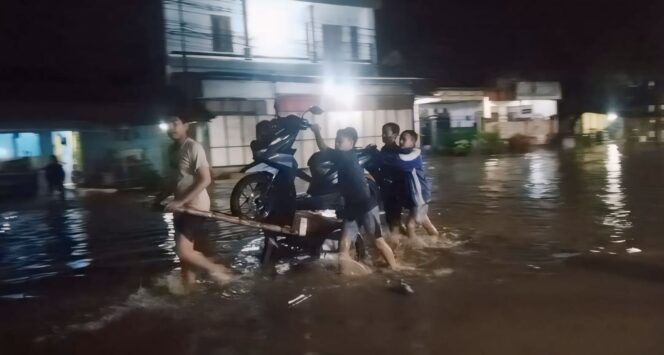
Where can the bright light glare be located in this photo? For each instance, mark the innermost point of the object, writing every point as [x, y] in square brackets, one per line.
[163, 126]
[612, 116]
[272, 27]
[342, 93]
[427, 100]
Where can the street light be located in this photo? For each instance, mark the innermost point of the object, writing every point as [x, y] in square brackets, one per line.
[612, 116]
[163, 127]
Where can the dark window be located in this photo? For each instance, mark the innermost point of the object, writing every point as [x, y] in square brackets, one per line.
[354, 43]
[332, 42]
[222, 36]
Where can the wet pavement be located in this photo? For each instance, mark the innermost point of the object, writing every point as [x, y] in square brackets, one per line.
[558, 253]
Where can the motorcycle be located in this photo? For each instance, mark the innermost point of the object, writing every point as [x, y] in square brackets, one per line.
[267, 192]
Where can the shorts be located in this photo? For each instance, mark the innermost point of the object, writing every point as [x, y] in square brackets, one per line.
[192, 227]
[370, 222]
[392, 207]
[419, 212]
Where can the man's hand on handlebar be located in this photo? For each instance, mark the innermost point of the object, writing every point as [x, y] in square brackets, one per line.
[305, 124]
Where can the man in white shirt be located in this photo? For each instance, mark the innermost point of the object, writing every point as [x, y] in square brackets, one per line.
[191, 178]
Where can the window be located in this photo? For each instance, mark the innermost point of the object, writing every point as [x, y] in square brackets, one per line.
[332, 42]
[222, 36]
[354, 44]
[651, 108]
[661, 107]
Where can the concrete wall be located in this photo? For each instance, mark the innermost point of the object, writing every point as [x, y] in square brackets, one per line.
[540, 130]
[592, 122]
[522, 109]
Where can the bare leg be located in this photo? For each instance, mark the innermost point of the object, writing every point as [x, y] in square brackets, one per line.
[192, 258]
[386, 252]
[348, 266]
[188, 277]
[411, 227]
[393, 239]
[428, 226]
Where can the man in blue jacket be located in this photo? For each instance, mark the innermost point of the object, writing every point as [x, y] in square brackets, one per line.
[417, 191]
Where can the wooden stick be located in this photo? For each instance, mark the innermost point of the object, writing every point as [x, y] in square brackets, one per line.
[237, 220]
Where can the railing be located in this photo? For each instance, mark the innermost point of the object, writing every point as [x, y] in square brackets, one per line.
[352, 44]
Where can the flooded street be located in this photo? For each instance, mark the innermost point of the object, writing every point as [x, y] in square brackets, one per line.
[558, 253]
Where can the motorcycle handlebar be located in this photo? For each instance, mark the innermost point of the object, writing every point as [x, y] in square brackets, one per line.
[305, 124]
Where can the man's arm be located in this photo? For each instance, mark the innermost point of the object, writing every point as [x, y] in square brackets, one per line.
[320, 142]
[395, 161]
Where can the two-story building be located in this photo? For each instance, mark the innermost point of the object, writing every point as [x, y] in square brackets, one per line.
[243, 58]
[239, 59]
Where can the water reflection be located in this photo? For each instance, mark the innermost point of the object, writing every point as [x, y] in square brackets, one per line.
[542, 175]
[613, 197]
[168, 245]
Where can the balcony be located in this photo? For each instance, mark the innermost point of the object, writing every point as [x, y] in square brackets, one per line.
[201, 40]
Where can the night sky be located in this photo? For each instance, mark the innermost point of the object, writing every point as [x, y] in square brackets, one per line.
[469, 42]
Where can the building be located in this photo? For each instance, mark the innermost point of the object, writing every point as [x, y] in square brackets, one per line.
[238, 59]
[512, 107]
[639, 105]
[243, 58]
[525, 108]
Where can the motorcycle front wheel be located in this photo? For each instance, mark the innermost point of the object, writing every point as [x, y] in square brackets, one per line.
[250, 197]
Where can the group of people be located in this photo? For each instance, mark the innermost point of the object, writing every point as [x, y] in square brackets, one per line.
[400, 177]
[402, 183]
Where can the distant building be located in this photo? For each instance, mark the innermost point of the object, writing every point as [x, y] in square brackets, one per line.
[639, 103]
[513, 107]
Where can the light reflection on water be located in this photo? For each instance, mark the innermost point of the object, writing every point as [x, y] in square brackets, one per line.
[617, 216]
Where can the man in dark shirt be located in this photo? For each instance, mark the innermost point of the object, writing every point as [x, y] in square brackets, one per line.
[360, 209]
[390, 179]
[55, 176]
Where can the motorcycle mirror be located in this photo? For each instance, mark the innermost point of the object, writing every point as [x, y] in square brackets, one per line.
[316, 110]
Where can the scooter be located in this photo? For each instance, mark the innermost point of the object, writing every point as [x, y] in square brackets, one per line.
[267, 192]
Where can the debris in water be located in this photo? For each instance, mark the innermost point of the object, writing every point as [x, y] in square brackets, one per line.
[443, 272]
[633, 250]
[402, 287]
[282, 268]
[564, 255]
[534, 267]
[299, 299]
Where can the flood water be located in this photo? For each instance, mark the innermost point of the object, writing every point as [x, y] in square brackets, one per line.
[558, 253]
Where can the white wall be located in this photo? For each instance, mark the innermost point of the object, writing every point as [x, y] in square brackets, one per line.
[545, 108]
[539, 130]
[462, 114]
[539, 109]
